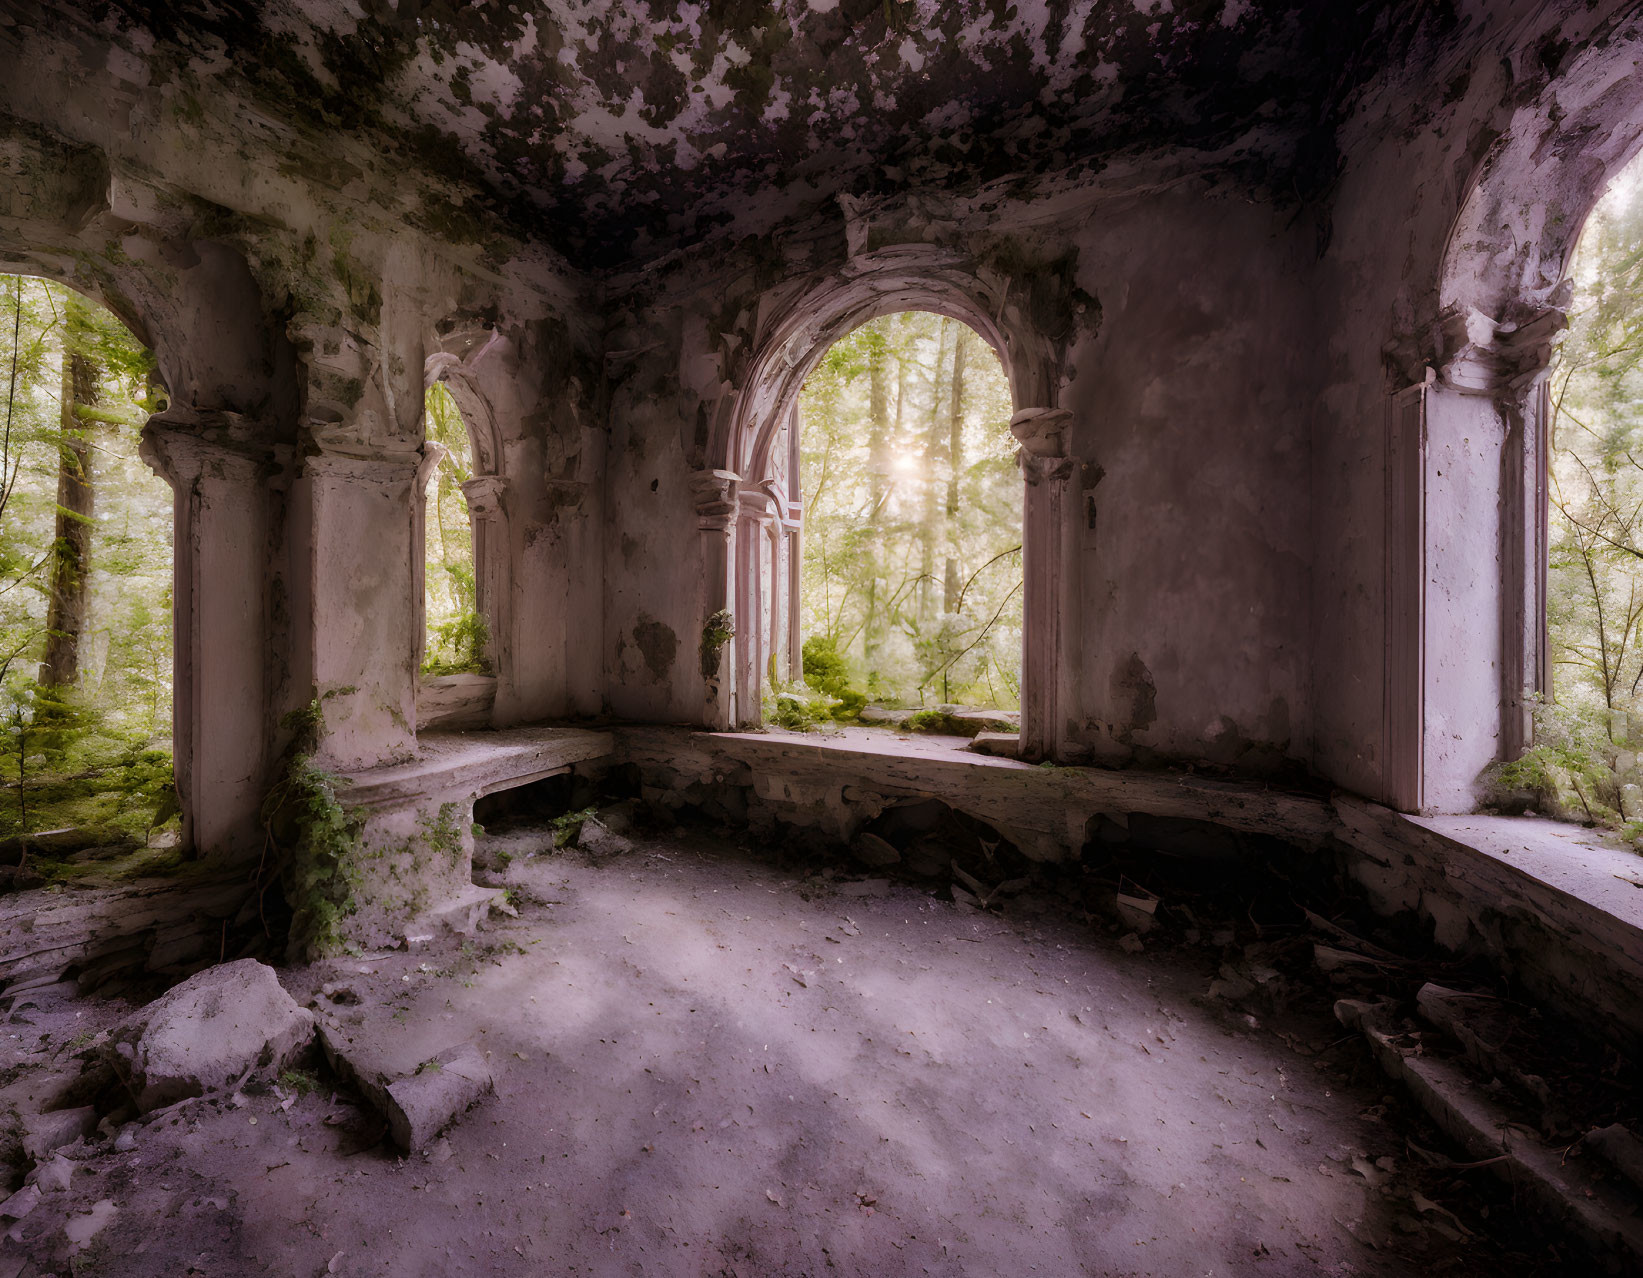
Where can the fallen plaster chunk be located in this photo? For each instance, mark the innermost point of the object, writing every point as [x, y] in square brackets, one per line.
[209, 1034]
[44, 1133]
[598, 840]
[52, 1175]
[21, 1203]
[999, 745]
[84, 1226]
[873, 851]
[418, 1105]
[441, 1091]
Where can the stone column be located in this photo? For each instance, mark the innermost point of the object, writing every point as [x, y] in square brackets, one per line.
[754, 604]
[224, 479]
[354, 521]
[1046, 466]
[491, 585]
[717, 507]
[1470, 616]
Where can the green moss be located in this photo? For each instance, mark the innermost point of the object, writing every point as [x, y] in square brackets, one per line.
[442, 835]
[313, 838]
[719, 630]
[568, 828]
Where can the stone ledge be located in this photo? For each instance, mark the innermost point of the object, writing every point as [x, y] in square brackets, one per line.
[480, 762]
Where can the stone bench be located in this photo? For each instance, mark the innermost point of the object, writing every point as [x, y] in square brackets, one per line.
[414, 866]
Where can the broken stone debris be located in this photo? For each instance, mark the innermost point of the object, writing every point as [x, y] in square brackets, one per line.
[873, 851]
[1621, 1148]
[45, 1133]
[425, 1103]
[598, 839]
[21, 1203]
[1598, 1208]
[418, 1105]
[209, 1034]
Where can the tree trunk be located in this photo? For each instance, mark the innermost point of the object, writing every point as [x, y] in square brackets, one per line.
[878, 468]
[930, 522]
[955, 468]
[71, 549]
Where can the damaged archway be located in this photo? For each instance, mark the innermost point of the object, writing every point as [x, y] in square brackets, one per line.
[223, 443]
[1468, 435]
[741, 497]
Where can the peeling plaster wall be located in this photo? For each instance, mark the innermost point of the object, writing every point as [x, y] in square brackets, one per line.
[1189, 387]
[1191, 413]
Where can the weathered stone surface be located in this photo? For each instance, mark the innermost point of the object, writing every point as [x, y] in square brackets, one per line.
[873, 851]
[424, 1104]
[999, 745]
[599, 840]
[43, 1133]
[414, 862]
[418, 1101]
[208, 1033]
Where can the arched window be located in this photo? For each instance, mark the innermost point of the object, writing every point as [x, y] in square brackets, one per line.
[909, 523]
[456, 639]
[1591, 721]
[460, 533]
[86, 574]
[742, 494]
[1469, 481]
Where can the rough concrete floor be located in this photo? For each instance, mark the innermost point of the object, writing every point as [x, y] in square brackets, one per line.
[706, 1065]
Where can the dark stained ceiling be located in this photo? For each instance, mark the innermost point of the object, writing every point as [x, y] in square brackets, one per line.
[618, 130]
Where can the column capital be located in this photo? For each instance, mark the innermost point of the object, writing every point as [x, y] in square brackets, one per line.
[338, 458]
[717, 497]
[1476, 354]
[484, 494]
[1042, 432]
[182, 446]
[1039, 470]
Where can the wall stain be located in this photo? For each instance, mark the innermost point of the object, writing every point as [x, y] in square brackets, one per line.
[658, 644]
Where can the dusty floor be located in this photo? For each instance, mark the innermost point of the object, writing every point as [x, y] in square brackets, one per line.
[707, 1065]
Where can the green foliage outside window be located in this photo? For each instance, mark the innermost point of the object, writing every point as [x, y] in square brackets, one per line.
[911, 587]
[457, 639]
[91, 752]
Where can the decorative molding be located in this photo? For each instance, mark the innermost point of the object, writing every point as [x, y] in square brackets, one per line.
[484, 494]
[1042, 432]
[1039, 470]
[717, 497]
[182, 449]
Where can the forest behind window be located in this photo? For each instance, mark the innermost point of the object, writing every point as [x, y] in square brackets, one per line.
[85, 579]
[912, 581]
[456, 637]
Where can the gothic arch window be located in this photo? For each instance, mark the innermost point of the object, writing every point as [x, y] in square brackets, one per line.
[739, 502]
